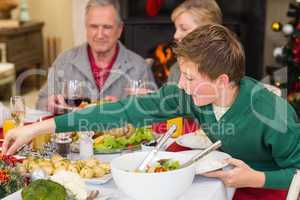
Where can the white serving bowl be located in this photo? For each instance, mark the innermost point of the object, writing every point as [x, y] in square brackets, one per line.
[151, 186]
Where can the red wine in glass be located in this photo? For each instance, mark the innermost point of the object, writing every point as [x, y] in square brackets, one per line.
[76, 101]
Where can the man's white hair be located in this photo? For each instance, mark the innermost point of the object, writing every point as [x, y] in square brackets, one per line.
[114, 3]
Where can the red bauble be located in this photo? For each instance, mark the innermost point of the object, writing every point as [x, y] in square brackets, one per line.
[298, 26]
[153, 7]
[297, 40]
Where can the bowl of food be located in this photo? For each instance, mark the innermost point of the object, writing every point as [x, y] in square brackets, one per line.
[162, 180]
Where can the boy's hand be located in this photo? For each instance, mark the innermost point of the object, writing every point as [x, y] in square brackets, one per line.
[240, 176]
[15, 138]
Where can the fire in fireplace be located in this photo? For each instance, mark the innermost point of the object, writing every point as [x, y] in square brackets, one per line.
[163, 60]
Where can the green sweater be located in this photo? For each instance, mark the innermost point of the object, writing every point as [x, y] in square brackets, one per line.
[260, 128]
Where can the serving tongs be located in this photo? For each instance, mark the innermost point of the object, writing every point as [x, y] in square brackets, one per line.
[202, 154]
[153, 153]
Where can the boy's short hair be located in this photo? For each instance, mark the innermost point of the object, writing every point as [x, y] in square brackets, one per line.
[215, 50]
[201, 10]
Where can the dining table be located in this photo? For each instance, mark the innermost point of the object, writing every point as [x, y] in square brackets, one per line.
[202, 187]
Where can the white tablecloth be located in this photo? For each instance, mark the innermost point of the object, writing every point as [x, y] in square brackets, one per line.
[202, 188]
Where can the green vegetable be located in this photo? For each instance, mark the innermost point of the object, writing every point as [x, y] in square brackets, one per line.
[100, 146]
[171, 165]
[110, 142]
[122, 141]
[44, 190]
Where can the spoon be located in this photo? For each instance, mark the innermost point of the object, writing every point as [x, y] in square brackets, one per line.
[202, 154]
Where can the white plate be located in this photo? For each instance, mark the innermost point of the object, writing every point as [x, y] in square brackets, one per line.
[195, 140]
[213, 161]
[98, 181]
[33, 115]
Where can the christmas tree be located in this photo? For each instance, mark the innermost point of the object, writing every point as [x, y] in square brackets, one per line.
[289, 55]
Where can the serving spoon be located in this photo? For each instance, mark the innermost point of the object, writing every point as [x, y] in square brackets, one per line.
[202, 154]
[153, 153]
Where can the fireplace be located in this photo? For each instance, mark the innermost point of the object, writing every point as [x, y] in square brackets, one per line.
[163, 59]
[143, 33]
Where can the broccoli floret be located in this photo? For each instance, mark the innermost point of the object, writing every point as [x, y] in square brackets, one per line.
[44, 190]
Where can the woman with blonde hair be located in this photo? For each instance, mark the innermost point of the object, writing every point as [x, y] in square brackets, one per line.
[187, 17]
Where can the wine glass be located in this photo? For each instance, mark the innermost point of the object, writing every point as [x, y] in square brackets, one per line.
[17, 106]
[136, 87]
[73, 93]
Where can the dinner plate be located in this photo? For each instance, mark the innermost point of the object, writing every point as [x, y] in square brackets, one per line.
[98, 181]
[33, 115]
[75, 149]
[213, 161]
[118, 150]
[195, 140]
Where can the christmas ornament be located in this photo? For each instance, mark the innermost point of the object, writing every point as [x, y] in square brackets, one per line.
[38, 173]
[288, 29]
[289, 55]
[278, 52]
[153, 7]
[276, 26]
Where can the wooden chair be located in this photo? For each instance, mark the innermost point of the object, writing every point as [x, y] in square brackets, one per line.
[7, 70]
[294, 190]
[273, 89]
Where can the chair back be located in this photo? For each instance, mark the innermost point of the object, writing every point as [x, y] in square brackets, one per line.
[294, 190]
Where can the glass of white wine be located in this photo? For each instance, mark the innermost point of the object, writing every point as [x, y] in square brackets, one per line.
[17, 108]
[136, 87]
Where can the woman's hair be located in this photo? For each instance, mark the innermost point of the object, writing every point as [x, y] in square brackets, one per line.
[216, 51]
[202, 10]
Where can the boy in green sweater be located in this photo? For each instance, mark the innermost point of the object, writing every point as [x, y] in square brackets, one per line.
[256, 127]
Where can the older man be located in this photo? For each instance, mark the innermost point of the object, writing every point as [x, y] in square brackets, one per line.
[103, 63]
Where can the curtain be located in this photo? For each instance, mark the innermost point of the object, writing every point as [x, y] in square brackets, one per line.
[78, 11]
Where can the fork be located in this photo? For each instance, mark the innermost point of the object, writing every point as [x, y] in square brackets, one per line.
[92, 195]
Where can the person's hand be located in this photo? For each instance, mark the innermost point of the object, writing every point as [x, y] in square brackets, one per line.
[138, 91]
[56, 103]
[240, 176]
[16, 138]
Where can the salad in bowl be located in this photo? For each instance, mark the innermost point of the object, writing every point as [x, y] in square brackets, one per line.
[170, 183]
